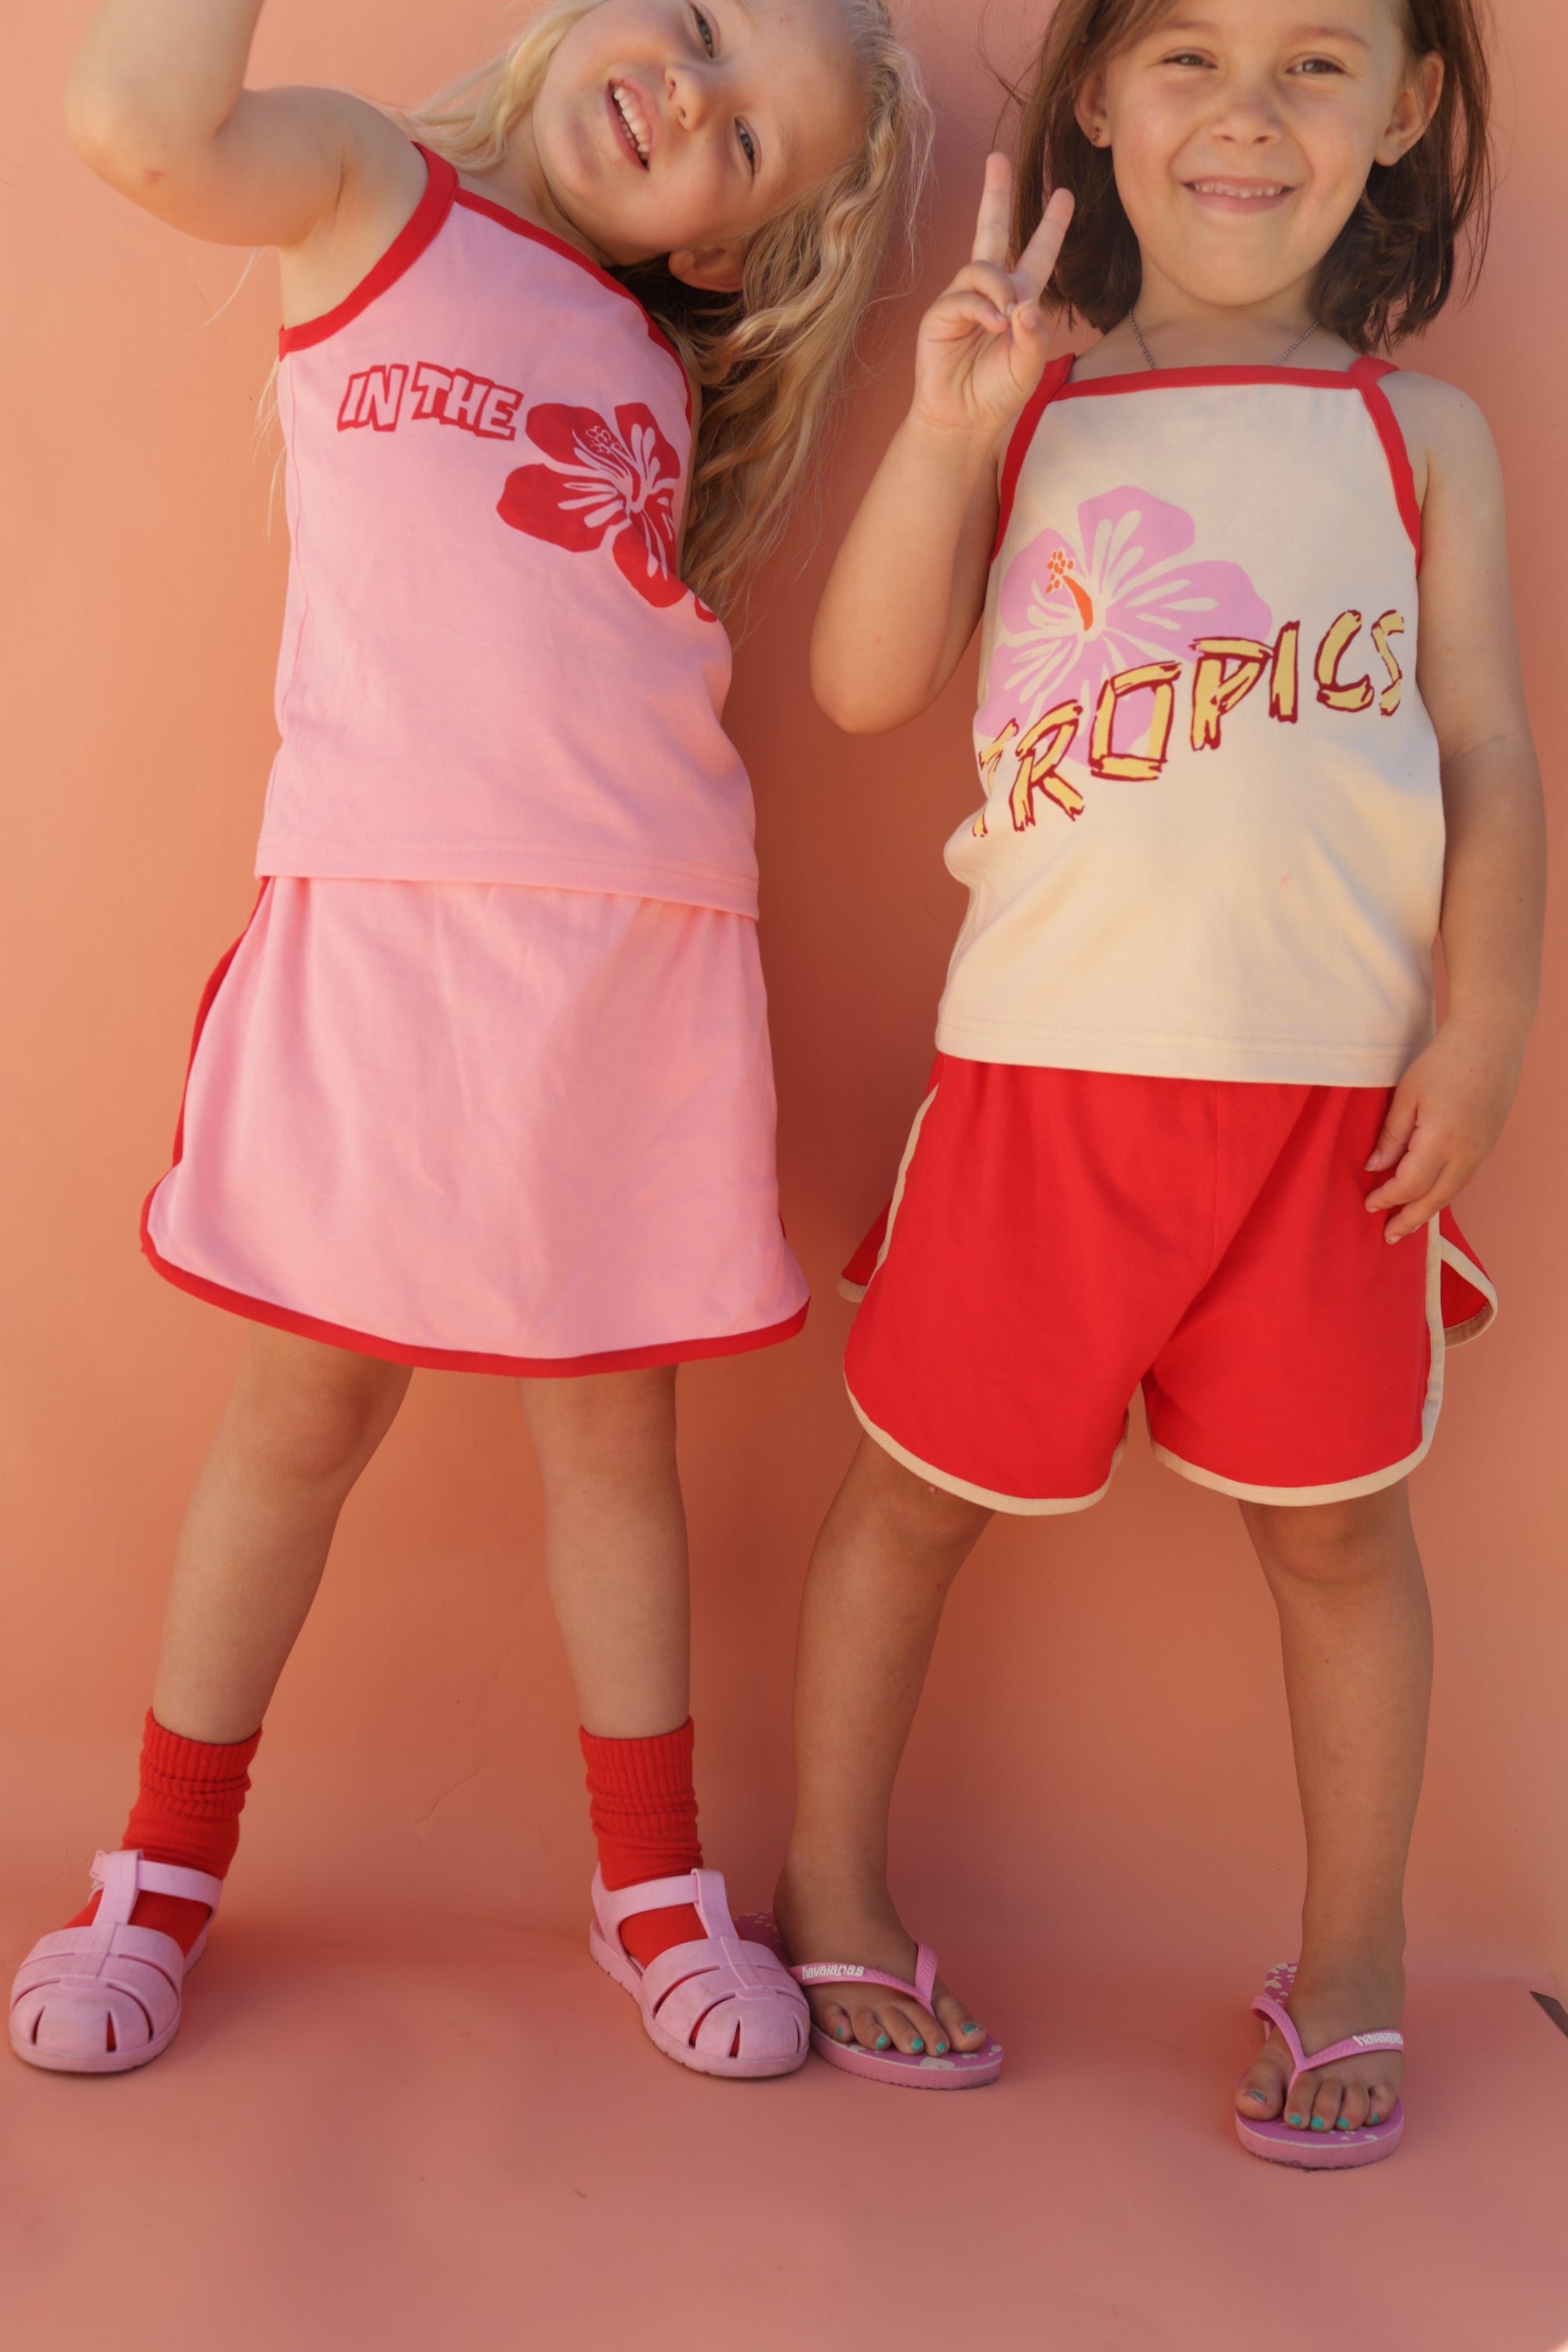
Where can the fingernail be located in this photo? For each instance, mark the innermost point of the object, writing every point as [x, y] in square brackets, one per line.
[917, 2043]
[881, 2043]
[1318, 2124]
[1028, 317]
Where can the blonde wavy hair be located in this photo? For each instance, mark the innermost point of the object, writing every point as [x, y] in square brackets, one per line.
[771, 361]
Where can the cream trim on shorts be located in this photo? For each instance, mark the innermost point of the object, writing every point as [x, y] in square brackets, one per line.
[1018, 1505]
[1441, 1252]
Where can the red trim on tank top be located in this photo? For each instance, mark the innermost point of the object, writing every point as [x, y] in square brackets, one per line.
[1364, 377]
[521, 227]
[1368, 374]
[419, 230]
[1040, 399]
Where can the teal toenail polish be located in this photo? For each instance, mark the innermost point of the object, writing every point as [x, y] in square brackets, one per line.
[940, 2049]
[917, 2044]
[1376, 2119]
[881, 2041]
[1295, 2119]
[1342, 2124]
[1318, 2124]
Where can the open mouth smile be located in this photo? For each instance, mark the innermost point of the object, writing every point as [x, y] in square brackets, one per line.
[1239, 194]
[631, 119]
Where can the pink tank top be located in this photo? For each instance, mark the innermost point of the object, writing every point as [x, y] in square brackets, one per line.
[491, 670]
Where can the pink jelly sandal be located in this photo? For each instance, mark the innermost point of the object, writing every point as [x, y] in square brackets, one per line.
[721, 2005]
[1329, 2151]
[959, 2070]
[101, 2000]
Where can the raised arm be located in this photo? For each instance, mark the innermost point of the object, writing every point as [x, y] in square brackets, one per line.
[1450, 1109]
[908, 584]
[157, 104]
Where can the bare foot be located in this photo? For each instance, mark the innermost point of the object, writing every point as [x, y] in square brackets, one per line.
[1325, 2009]
[859, 1926]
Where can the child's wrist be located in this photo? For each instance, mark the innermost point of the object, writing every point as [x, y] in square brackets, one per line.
[959, 449]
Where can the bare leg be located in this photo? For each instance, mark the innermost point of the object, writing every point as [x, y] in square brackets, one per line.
[614, 1545]
[888, 1551]
[302, 1424]
[1356, 1632]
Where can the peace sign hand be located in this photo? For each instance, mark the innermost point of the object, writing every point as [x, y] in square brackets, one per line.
[981, 347]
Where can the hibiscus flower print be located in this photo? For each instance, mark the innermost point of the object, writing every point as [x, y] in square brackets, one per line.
[1122, 591]
[622, 478]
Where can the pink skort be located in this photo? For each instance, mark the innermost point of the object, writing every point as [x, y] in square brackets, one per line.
[486, 1128]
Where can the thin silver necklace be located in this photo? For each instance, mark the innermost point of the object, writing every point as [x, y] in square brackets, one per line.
[1154, 365]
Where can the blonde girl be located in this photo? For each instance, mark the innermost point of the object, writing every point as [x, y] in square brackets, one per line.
[486, 1084]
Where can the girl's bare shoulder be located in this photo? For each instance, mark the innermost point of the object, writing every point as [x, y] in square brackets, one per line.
[1445, 432]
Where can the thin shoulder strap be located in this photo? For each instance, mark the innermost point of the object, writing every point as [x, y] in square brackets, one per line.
[1367, 375]
[1024, 432]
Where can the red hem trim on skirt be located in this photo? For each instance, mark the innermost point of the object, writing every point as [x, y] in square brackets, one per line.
[457, 1360]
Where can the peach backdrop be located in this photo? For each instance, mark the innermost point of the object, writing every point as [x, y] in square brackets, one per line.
[1103, 1758]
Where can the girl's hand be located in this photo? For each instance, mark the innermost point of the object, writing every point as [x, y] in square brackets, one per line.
[981, 347]
[1447, 1113]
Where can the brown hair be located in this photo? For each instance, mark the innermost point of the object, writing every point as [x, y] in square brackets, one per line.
[1394, 264]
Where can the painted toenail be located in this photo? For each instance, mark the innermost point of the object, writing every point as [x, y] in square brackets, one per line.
[842, 2032]
[970, 2028]
[941, 2049]
[1295, 2119]
[917, 2043]
[1318, 2124]
[881, 2041]
[1342, 2124]
[1263, 2096]
[1376, 2119]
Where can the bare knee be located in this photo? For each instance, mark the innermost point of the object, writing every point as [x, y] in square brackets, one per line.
[609, 1425]
[1334, 1543]
[922, 1517]
[309, 1414]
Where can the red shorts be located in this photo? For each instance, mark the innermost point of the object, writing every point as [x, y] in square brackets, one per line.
[1058, 1237]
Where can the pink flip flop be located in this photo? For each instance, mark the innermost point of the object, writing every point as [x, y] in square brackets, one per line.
[1329, 2151]
[101, 2000]
[723, 2005]
[960, 2070]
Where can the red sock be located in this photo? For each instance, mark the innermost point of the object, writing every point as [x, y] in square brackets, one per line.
[188, 1813]
[644, 1812]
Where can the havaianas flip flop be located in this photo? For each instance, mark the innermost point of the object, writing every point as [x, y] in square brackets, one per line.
[1309, 2151]
[960, 2070]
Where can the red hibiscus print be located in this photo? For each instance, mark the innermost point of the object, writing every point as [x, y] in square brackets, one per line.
[603, 480]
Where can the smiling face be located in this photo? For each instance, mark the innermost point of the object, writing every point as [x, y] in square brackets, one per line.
[669, 128]
[1242, 133]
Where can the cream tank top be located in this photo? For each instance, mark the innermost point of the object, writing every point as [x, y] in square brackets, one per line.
[1212, 839]
[491, 670]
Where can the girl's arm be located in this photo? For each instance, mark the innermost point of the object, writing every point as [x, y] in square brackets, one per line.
[909, 584]
[157, 104]
[1450, 1109]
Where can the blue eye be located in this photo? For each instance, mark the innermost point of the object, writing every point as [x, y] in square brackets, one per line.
[748, 145]
[705, 31]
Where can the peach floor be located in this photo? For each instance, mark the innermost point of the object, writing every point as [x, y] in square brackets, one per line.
[524, 2170]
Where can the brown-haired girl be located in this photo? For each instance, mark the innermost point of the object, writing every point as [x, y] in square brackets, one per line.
[1192, 1126]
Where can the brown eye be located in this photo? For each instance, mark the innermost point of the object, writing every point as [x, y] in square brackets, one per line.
[705, 33]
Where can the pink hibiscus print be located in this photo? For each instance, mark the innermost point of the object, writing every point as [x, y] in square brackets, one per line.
[602, 479]
[1075, 612]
